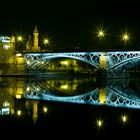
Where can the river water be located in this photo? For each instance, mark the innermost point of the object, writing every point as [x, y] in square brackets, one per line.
[69, 102]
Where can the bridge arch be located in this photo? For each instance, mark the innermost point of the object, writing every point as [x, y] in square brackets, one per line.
[34, 59]
[126, 64]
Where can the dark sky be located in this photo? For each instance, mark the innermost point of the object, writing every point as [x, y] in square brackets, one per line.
[73, 23]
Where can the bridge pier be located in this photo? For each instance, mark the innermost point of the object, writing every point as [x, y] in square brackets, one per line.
[103, 65]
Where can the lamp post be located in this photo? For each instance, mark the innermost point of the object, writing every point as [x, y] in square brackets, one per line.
[100, 35]
[46, 42]
[19, 38]
[125, 37]
[19, 41]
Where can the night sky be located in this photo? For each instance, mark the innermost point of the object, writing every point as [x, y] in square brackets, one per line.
[73, 24]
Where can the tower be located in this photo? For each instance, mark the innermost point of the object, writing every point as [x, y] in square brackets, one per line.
[35, 41]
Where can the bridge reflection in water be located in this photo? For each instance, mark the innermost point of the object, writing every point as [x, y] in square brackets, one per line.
[85, 91]
[24, 94]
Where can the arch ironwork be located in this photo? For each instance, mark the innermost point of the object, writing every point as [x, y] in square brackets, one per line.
[36, 61]
[117, 94]
[117, 63]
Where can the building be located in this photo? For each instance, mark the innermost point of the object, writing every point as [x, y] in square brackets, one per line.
[32, 45]
[7, 49]
[11, 59]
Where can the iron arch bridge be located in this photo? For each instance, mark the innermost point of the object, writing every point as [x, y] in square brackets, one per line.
[39, 61]
[115, 64]
[120, 62]
[115, 94]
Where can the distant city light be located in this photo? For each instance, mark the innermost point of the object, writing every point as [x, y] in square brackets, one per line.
[18, 54]
[64, 62]
[19, 112]
[5, 111]
[19, 38]
[65, 86]
[6, 47]
[5, 39]
[28, 89]
[18, 96]
[6, 103]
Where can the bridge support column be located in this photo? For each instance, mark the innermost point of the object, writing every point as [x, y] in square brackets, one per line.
[103, 65]
[102, 95]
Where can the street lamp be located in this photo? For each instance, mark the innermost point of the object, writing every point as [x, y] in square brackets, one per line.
[19, 43]
[19, 38]
[125, 37]
[46, 41]
[100, 33]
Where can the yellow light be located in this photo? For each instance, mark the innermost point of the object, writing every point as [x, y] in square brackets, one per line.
[18, 96]
[12, 111]
[46, 41]
[18, 54]
[45, 109]
[74, 87]
[102, 96]
[20, 60]
[28, 89]
[19, 90]
[124, 118]
[64, 62]
[19, 112]
[28, 62]
[101, 33]
[125, 37]
[12, 39]
[19, 38]
[64, 87]
[6, 104]
[6, 47]
[99, 123]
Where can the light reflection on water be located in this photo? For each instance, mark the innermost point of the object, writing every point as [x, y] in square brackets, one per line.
[25, 93]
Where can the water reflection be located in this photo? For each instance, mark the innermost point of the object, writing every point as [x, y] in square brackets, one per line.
[89, 91]
[23, 94]
[70, 86]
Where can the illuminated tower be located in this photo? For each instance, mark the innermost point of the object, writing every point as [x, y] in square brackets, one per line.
[35, 41]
